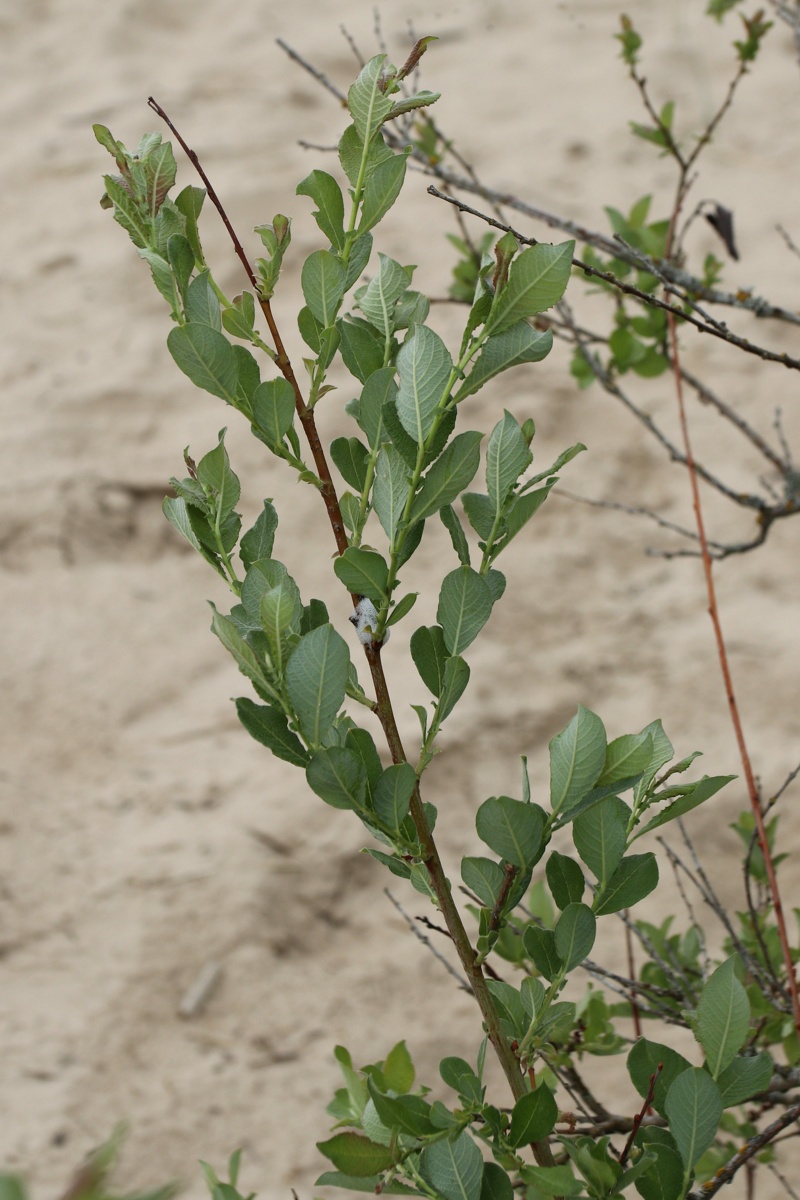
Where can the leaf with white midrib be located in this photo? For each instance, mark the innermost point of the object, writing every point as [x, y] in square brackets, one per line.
[694, 1109]
[390, 493]
[454, 1168]
[424, 367]
[449, 475]
[465, 605]
[207, 357]
[577, 756]
[507, 456]
[316, 678]
[723, 1017]
[368, 105]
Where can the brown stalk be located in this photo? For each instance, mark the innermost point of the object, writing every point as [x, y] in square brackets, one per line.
[713, 608]
[385, 712]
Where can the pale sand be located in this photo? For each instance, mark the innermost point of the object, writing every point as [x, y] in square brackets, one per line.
[130, 791]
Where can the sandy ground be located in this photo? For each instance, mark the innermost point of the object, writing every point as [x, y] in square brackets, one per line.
[142, 833]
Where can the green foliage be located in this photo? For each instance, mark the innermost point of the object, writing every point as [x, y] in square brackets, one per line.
[406, 462]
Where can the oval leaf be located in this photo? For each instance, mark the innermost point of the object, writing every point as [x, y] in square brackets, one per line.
[316, 678]
[207, 357]
[533, 1118]
[722, 1018]
[465, 605]
[694, 1110]
[512, 829]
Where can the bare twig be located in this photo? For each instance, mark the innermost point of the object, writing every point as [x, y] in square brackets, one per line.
[748, 1151]
[428, 944]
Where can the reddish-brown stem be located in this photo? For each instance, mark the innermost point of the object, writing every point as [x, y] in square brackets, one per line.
[637, 1020]
[733, 708]
[385, 712]
[637, 1120]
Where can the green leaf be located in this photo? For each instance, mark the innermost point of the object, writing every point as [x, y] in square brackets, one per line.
[369, 106]
[465, 605]
[393, 794]
[127, 211]
[575, 933]
[207, 357]
[452, 524]
[565, 879]
[11, 1186]
[449, 475]
[577, 756]
[744, 1078]
[402, 608]
[273, 409]
[515, 346]
[189, 202]
[495, 1184]
[245, 657]
[456, 678]
[270, 727]
[351, 155]
[239, 319]
[512, 829]
[662, 1180]
[158, 169]
[554, 1181]
[179, 515]
[626, 756]
[459, 1076]
[281, 612]
[363, 572]
[398, 1069]
[430, 655]
[383, 186]
[696, 794]
[361, 348]
[373, 1184]
[533, 1117]
[522, 509]
[360, 252]
[453, 1168]
[323, 189]
[392, 485]
[484, 877]
[355, 1154]
[338, 777]
[322, 280]
[181, 259]
[722, 1020]
[600, 835]
[694, 1109]
[480, 513]
[164, 279]
[644, 1059]
[536, 281]
[379, 390]
[419, 100]
[408, 1114]
[378, 299]
[202, 304]
[316, 678]
[540, 946]
[507, 456]
[635, 877]
[350, 456]
[261, 577]
[214, 472]
[424, 366]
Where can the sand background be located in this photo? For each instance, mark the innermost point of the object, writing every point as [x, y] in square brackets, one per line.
[130, 795]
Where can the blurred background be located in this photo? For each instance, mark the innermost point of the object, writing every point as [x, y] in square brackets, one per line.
[143, 835]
